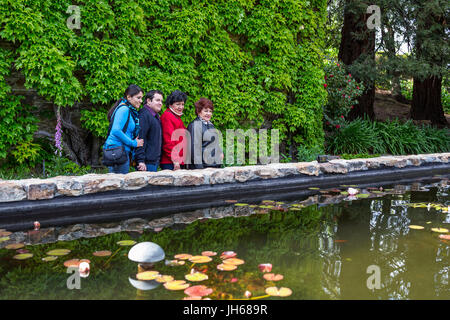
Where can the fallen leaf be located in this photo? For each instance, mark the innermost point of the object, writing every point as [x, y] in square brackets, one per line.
[15, 246]
[23, 256]
[49, 258]
[182, 256]
[209, 253]
[2, 239]
[440, 230]
[415, 227]
[126, 242]
[103, 253]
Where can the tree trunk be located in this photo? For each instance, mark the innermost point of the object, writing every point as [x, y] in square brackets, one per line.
[426, 103]
[352, 47]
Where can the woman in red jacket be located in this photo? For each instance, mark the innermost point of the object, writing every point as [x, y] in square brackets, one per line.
[172, 156]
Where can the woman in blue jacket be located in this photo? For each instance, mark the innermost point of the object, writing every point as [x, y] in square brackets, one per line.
[125, 125]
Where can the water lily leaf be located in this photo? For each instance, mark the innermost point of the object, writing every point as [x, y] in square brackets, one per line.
[200, 259]
[198, 291]
[440, 230]
[345, 193]
[362, 195]
[209, 253]
[314, 188]
[415, 227]
[103, 253]
[5, 233]
[183, 256]
[2, 239]
[147, 275]
[50, 258]
[164, 278]
[241, 204]
[58, 252]
[295, 209]
[226, 267]
[230, 201]
[196, 276]
[15, 246]
[75, 262]
[282, 292]
[268, 201]
[23, 256]
[174, 263]
[126, 242]
[234, 261]
[176, 285]
[444, 236]
[228, 254]
[273, 277]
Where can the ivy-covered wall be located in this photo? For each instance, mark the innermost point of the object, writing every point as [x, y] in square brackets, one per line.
[258, 61]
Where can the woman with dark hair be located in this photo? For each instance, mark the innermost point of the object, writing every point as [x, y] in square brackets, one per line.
[171, 122]
[124, 126]
[204, 135]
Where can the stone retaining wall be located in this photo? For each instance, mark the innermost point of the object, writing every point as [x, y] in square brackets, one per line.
[41, 189]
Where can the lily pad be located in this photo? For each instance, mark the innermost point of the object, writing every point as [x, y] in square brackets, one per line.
[103, 253]
[415, 227]
[345, 193]
[273, 277]
[281, 292]
[200, 259]
[241, 204]
[196, 276]
[175, 262]
[2, 239]
[182, 256]
[58, 252]
[209, 253]
[176, 285]
[164, 278]
[230, 201]
[49, 258]
[5, 233]
[126, 242]
[23, 256]
[314, 188]
[234, 261]
[440, 230]
[362, 195]
[75, 262]
[15, 246]
[444, 236]
[147, 275]
[198, 291]
[226, 267]
[228, 254]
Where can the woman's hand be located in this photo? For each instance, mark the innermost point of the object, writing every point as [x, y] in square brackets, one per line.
[141, 166]
[140, 142]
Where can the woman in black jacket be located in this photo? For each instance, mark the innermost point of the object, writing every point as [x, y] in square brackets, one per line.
[204, 137]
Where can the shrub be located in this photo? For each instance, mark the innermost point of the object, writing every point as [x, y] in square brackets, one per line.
[343, 91]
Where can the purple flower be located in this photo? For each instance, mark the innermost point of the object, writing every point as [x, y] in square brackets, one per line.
[58, 135]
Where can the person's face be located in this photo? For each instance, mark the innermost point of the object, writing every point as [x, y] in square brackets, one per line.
[178, 106]
[156, 103]
[206, 114]
[136, 100]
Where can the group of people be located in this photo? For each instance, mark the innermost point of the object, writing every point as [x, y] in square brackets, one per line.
[151, 140]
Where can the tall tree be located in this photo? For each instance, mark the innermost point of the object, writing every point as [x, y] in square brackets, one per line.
[432, 56]
[358, 47]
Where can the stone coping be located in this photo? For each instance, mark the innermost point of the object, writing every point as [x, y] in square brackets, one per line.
[42, 189]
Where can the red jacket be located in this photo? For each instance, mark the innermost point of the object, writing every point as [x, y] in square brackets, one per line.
[169, 123]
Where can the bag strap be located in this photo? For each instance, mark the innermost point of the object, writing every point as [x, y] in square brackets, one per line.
[112, 120]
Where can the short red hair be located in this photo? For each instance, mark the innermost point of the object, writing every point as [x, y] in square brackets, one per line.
[203, 103]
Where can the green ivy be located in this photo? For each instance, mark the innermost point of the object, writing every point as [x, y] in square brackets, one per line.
[259, 62]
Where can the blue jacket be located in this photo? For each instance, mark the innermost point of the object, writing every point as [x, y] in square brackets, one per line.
[117, 137]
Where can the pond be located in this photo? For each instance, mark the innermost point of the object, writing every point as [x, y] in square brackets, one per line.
[384, 243]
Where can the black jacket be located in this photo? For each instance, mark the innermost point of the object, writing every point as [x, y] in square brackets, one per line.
[197, 129]
[150, 131]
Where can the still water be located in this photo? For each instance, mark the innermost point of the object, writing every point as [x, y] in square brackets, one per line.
[327, 246]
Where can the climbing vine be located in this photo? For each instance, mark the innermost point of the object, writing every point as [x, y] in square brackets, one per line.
[258, 61]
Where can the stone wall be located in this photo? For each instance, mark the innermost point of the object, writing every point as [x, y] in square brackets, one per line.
[40, 189]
